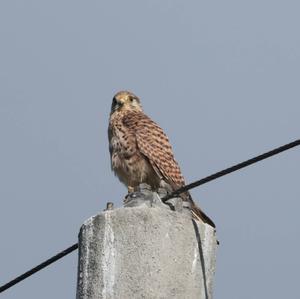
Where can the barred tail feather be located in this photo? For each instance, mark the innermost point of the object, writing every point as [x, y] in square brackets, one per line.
[198, 214]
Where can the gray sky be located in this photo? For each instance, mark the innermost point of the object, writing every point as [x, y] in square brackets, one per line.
[221, 78]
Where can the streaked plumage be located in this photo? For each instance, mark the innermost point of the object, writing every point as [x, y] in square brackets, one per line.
[141, 152]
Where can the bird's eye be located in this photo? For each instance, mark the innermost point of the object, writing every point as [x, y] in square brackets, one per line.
[131, 100]
[114, 104]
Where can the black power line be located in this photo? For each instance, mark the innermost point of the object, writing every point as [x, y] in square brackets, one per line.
[39, 267]
[173, 194]
[232, 169]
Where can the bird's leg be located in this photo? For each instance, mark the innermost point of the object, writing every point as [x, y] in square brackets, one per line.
[130, 189]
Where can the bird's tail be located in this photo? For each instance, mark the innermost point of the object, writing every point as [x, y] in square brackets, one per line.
[197, 213]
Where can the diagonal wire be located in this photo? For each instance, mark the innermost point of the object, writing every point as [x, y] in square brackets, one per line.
[164, 199]
[232, 169]
[39, 267]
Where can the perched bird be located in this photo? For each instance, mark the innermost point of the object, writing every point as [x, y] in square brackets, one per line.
[141, 152]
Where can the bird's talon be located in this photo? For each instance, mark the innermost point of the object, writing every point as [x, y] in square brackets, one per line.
[129, 197]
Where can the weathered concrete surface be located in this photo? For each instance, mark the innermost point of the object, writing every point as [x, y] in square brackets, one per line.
[148, 251]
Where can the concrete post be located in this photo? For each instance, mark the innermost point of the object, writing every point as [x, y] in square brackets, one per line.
[146, 250]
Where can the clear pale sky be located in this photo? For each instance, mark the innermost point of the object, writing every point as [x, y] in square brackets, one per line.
[221, 78]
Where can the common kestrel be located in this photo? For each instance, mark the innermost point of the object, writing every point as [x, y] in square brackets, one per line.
[141, 152]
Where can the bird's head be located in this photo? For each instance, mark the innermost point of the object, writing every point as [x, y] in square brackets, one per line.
[125, 100]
